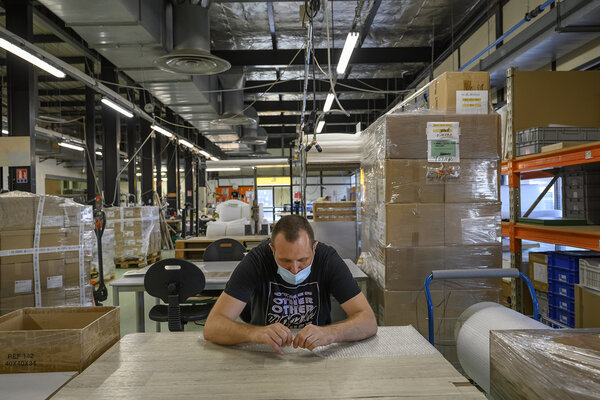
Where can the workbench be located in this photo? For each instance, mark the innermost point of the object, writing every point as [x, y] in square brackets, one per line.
[217, 274]
[183, 365]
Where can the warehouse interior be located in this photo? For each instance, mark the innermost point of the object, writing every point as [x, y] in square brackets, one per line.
[447, 151]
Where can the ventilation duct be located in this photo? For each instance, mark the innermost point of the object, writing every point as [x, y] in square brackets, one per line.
[260, 149]
[253, 134]
[191, 39]
[233, 101]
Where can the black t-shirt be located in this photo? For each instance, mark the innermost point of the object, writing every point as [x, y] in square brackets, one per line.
[256, 281]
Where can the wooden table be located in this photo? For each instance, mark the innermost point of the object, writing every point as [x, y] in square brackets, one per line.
[35, 385]
[217, 274]
[182, 365]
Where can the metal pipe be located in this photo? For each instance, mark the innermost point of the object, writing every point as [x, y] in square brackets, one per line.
[528, 17]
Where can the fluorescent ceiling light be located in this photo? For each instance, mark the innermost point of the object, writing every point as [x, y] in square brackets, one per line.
[186, 143]
[273, 166]
[126, 160]
[222, 169]
[138, 174]
[99, 153]
[27, 56]
[351, 40]
[162, 130]
[5, 131]
[320, 126]
[117, 107]
[71, 146]
[205, 154]
[214, 158]
[328, 102]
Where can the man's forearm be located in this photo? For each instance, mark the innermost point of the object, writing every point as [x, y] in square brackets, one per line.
[222, 330]
[356, 327]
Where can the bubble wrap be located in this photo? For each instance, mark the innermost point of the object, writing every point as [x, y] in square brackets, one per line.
[390, 341]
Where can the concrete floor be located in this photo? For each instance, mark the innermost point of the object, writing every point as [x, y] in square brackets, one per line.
[127, 304]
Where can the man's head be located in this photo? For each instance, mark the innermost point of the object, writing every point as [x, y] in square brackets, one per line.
[293, 243]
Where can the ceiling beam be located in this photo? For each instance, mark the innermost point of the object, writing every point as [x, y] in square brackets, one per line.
[360, 56]
[295, 119]
[282, 106]
[297, 86]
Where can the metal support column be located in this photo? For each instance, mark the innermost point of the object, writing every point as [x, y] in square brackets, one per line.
[21, 91]
[90, 138]
[111, 128]
[189, 187]
[291, 178]
[131, 147]
[158, 153]
[172, 175]
[147, 191]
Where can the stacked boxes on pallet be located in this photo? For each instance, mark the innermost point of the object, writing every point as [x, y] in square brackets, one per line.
[136, 232]
[45, 251]
[108, 254]
[563, 274]
[420, 216]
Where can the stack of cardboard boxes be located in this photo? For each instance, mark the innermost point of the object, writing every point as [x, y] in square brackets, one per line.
[420, 216]
[45, 247]
[136, 231]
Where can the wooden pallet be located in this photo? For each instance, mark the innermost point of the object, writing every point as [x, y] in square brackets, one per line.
[138, 262]
[193, 248]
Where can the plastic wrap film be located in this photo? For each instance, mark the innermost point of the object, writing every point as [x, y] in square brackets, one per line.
[544, 364]
[136, 231]
[45, 251]
[108, 254]
[472, 333]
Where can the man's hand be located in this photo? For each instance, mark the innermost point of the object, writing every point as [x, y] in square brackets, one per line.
[312, 336]
[275, 335]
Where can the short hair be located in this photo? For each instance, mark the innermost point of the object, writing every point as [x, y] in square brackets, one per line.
[290, 226]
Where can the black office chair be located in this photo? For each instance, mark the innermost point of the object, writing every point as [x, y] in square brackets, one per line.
[174, 281]
[225, 249]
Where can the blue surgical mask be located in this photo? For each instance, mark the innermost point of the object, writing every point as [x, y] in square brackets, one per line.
[293, 279]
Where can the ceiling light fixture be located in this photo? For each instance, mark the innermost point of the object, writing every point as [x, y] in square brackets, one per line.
[186, 143]
[328, 102]
[138, 174]
[320, 126]
[161, 130]
[351, 40]
[5, 131]
[99, 153]
[27, 56]
[117, 107]
[214, 158]
[71, 146]
[222, 169]
[205, 154]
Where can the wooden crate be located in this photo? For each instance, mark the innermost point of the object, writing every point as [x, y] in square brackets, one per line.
[329, 211]
[53, 339]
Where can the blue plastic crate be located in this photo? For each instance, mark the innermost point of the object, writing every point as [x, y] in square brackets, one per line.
[561, 289]
[568, 260]
[563, 303]
[564, 276]
[563, 317]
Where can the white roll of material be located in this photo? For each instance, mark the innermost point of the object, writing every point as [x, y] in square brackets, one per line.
[472, 333]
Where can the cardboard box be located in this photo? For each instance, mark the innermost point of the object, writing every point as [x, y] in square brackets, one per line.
[405, 181]
[23, 239]
[472, 224]
[407, 268]
[17, 278]
[538, 271]
[56, 339]
[414, 224]
[12, 303]
[587, 306]
[73, 296]
[478, 181]
[404, 136]
[443, 89]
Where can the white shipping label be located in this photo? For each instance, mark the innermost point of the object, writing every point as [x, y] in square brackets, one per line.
[23, 286]
[443, 131]
[128, 213]
[540, 272]
[471, 101]
[54, 282]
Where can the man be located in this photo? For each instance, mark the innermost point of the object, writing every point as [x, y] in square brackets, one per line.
[287, 284]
